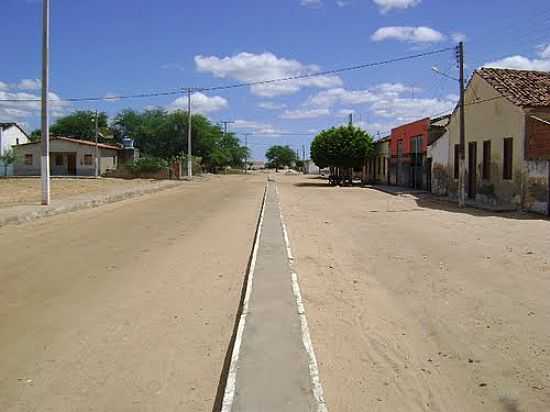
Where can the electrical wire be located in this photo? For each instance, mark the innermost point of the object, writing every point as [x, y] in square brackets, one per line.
[240, 85]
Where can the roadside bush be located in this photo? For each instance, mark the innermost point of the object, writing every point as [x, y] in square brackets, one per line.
[148, 165]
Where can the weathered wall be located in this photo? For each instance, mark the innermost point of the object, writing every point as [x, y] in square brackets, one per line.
[439, 153]
[492, 120]
[537, 186]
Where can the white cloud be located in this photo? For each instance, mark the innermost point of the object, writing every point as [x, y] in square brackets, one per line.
[256, 127]
[311, 3]
[200, 103]
[29, 105]
[409, 34]
[271, 105]
[29, 84]
[542, 63]
[345, 112]
[111, 97]
[458, 37]
[387, 5]
[341, 3]
[250, 67]
[304, 114]
[409, 109]
[544, 51]
[328, 98]
[3, 86]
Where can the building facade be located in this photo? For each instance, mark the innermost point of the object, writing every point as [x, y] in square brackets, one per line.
[11, 134]
[68, 157]
[507, 140]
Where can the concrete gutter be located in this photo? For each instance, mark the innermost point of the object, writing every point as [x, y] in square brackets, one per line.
[24, 214]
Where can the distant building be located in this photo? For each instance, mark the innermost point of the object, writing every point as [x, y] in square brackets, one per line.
[310, 168]
[68, 157]
[377, 168]
[408, 148]
[257, 165]
[507, 140]
[11, 134]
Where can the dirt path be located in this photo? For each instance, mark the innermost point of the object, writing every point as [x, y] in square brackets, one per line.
[416, 306]
[127, 307]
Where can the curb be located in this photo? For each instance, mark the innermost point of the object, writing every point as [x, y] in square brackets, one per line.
[79, 203]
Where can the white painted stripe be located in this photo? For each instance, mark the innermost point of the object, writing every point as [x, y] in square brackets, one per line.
[306, 337]
[230, 386]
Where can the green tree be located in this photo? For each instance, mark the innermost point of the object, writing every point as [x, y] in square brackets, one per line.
[280, 156]
[342, 147]
[8, 158]
[80, 124]
[36, 135]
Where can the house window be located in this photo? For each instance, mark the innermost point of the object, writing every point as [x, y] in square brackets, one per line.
[457, 160]
[486, 169]
[88, 159]
[28, 159]
[17, 140]
[59, 159]
[507, 158]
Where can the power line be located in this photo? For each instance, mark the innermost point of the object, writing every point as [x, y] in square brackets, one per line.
[241, 85]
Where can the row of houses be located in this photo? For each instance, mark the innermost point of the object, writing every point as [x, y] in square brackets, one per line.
[68, 156]
[507, 148]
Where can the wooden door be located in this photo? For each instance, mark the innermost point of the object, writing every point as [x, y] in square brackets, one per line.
[71, 164]
[472, 170]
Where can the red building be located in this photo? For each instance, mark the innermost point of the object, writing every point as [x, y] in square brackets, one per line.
[408, 147]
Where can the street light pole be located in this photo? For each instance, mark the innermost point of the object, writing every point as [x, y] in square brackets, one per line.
[189, 153]
[45, 144]
[96, 144]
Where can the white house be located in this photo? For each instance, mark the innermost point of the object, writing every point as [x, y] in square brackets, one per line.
[438, 161]
[11, 134]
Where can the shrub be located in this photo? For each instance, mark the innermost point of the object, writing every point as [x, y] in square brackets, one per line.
[148, 165]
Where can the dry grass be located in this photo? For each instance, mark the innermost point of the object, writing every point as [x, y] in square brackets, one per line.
[16, 192]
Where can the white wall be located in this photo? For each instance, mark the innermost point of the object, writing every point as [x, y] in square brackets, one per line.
[8, 138]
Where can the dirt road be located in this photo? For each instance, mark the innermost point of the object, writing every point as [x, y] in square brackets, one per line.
[127, 307]
[417, 306]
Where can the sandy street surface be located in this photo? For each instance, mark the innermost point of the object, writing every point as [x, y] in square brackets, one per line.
[26, 191]
[417, 306]
[127, 307]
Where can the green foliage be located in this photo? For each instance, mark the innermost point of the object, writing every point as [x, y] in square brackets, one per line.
[280, 156]
[80, 124]
[344, 147]
[35, 135]
[8, 158]
[163, 134]
[148, 165]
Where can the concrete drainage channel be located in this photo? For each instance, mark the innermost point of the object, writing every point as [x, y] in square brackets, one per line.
[270, 364]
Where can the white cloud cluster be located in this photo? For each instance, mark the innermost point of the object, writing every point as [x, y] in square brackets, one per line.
[256, 127]
[272, 105]
[304, 114]
[387, 5]
[408, 34]
[24, 104]
[518, 62]
[200, 103]
[29, 84]
[249, 67]
[392, 101]
[311, 3]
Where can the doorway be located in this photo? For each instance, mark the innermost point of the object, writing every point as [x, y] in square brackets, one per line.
[71, 164]
[472, 170]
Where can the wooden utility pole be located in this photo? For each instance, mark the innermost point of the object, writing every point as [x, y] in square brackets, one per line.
[45, 144]
[96, 144]
[462, 149]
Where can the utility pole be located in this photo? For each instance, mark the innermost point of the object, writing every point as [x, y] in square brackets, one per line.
[462, 150]
[189, 153]
[96, 144]
[225, 125]
[246, 154]
[350, 119]
[45, 160]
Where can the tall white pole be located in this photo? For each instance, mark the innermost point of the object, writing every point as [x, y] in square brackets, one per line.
[45, 159]
[189, 152]
[96, 144]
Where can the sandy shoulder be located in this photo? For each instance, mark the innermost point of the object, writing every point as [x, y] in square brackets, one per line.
[416, 307]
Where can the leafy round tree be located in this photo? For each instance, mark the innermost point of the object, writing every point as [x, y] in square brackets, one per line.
[280, 156]
[342, 147]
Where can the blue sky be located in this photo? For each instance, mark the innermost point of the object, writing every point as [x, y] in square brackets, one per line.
[106, 47]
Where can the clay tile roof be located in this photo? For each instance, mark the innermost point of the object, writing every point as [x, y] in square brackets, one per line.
[526, 88]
